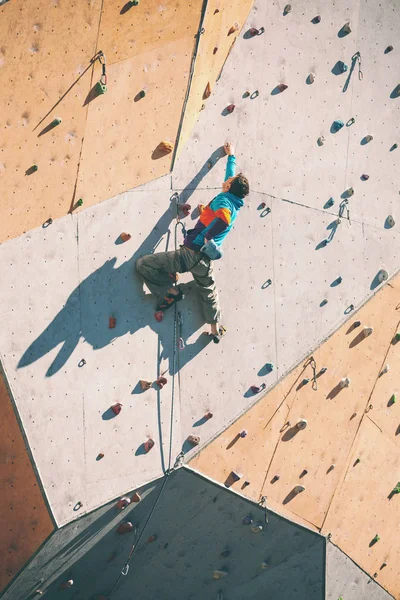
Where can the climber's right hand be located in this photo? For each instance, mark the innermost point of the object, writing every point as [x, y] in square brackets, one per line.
[229, 148]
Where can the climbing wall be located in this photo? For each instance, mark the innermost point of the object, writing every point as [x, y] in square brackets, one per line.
[176, 546]
[349, 445]
[25, 522]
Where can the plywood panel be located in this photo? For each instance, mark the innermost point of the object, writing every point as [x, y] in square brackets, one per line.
[362, 508]
[122, 134]
[214, 46]
[128, 31]
[24, 519]
[45, 73]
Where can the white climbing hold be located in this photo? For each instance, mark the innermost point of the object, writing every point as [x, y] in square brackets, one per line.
[385, 369]
[256, 528]
[383, 275]
[219, 574]
[302, 424]
[345, 382]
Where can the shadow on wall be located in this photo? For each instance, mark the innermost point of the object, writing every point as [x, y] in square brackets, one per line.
[88, 308]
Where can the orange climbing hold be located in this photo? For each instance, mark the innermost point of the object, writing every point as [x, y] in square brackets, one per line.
[165, 147]
[125, 237]
[145, 385]
[207, 91]
[234, 28]
[112, 321]
[136, 497]
[148, 445]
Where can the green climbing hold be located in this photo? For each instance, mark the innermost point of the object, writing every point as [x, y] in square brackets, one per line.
[100, 88]
[396, 490]
[376, 539]
[393, 399]
[397, 337]
[134, 2]
[142, 94]
[55, 122]
[357, 461]
[34, 168]
[80, 202]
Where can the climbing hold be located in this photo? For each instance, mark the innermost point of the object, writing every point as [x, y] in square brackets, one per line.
[349, 192]
[185, 208]
[390, 221]
[234, 28]
[219, 574]
[338, 280]
[311, 78]
[303, 473]
[302, 424]
[100, 88]
[125, 237]
[345, 382]
[230, 108]
[364, 177]
[80, 202]
[394, 147]
[324, 302]
[55, 122]
[275, 478]
[321, 140]
[145, 385]
[396, 490]
[215, 50]
[112, 321]
[342, 66]
[148, 445]
[350, 122]
[367, 331]
[207, 91]
[100, 455]
[332, 467]
[253, 31]
[225, 552]
[298, 489]
[383, 275]
[397, 337]
[281, 87]
[125, 527]
[256, 527]
[33, 168]
[194, 440]
[67, 584]
[305, 381]
[385, 369]
[235, 476]
[116, 408]
[323, 370]
[243, 433]
[134, 2]
[269, 366]
[316, 19]
[142, 93]
[287, 9]
[123, 502]
[165, 147]
[264, 565]
[161, 381]
[368, 138]
[262, 205]
[246, 94]
[388, 49]
[246, 483]
[346, 27]
[257, 389]
[376, 539]
[393, 399]
[247, 520]
[358, 460]
[208, 416]
[337, 125]
[136, 497]
[159, 315]
[152, 538]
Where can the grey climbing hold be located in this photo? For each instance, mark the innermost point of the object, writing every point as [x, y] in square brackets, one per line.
[383, 275]
[287, 9]
[367, 331]
[369, 138]
[390, 221]
[302, 424]
[344, 382]
[321, 140]
[311, 78]
[298, 489]
[346, 27]
[349, 191]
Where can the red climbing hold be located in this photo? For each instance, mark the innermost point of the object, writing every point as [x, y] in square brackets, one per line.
[161, 381]
[152, 538]
[281, 87]
[123, 502]
[230, 108]
[257, 389]
[208, 415]
[148, 445]
[112, 321]
[116, 408]
[254, 31]
[125, 527]
[159, 316]
[136, 497]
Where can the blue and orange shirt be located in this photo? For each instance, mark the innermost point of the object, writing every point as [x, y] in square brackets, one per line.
[218, 217]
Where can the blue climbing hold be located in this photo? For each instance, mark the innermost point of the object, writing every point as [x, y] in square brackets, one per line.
[337, 125]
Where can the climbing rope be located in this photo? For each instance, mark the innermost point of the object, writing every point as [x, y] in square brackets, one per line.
[175, 368]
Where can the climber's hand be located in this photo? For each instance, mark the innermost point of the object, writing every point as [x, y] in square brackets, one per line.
[229, 148]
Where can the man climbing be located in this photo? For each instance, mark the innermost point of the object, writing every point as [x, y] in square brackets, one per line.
[200, 247]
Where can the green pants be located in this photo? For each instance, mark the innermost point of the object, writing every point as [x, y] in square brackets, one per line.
[154, 270]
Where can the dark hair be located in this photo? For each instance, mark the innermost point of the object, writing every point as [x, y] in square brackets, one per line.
[240, 186]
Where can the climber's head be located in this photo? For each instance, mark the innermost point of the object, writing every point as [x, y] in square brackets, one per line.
[237, 185]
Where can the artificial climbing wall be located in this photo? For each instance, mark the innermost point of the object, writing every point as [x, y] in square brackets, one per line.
[290, 276]
[105, 143]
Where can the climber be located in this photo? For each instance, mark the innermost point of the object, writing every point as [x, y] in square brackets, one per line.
[200, 247]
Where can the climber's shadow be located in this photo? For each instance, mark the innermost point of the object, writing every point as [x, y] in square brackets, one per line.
[211, 161]
[118, 292]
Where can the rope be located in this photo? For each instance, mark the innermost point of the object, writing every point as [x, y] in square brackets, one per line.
[175, 363]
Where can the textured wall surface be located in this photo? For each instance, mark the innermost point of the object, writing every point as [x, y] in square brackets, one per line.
[194, 522]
